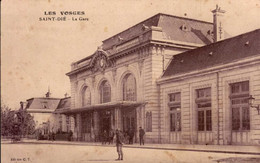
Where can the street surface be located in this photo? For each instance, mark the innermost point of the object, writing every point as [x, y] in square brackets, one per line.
[60, 153]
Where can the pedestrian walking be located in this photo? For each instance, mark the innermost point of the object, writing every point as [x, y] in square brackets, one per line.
[141, 135]
[119, 144]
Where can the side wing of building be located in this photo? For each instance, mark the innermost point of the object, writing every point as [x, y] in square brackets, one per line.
[204, 93]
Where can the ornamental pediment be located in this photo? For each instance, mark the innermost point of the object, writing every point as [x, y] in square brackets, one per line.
[100, 61]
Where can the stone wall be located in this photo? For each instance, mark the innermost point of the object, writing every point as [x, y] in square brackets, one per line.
[219, 81]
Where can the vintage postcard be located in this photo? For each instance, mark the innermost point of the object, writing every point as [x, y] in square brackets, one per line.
[130, 81]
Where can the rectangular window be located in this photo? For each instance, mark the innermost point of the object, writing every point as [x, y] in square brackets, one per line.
[175, 119]
[45, 105]
[172, 116]
[201, 123]
[240, 87]
[203, 93]
[245, 86]
[60, 122]
[239, 105]
[149, 121]
[178, 124]
[203, 102]
[175, 111]
[245, 118]
[235, 88]
[68, 123]
[208, 120]
[175, 97]
[235, 119]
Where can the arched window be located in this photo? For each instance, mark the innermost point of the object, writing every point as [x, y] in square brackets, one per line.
[85, 96]
[105, 92]
[129, 88]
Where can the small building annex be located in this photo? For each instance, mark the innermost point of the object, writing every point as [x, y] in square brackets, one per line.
[41, 108]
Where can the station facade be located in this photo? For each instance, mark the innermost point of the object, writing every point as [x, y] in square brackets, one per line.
[158, 75]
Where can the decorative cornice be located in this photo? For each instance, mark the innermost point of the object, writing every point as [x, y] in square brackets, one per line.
[152, 49]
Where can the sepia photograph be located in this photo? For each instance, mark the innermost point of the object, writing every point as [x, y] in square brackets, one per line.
[149, 81]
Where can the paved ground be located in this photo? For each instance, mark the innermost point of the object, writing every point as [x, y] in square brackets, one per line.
[76, 153]
[233, 149]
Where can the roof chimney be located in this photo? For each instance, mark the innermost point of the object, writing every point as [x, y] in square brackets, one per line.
[21, 105]
[218, 32]
[48, 94]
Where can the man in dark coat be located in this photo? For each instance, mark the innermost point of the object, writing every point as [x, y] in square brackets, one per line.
[119, 144]
[141, 135]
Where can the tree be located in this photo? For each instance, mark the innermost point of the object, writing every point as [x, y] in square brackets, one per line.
[16, 122]
[7, 120]
[26, 122]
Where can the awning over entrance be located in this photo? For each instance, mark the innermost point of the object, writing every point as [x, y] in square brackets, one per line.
[97, 107]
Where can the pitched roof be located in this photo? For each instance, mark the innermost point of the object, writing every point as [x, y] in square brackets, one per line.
[196, 31]
[64, 103]
[42, 103]
[222, 52]
[174, 28]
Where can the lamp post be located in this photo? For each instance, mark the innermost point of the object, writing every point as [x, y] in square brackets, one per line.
[251, 101]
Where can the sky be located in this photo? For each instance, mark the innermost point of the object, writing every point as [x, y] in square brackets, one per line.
[37, 54]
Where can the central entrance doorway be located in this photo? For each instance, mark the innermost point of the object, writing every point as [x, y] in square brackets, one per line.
[129, 119]
[129, 124]
[105, 121]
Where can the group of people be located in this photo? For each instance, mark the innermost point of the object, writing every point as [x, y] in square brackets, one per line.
[120, 138]
[127, 136]
[108, 137]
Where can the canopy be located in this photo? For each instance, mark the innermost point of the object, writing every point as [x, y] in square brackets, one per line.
[97, 107]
